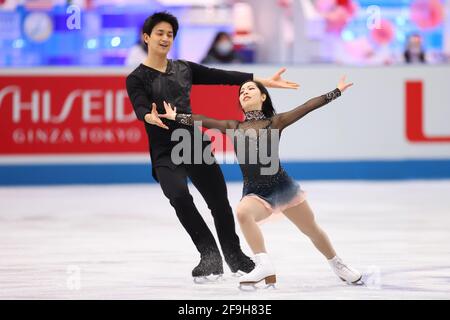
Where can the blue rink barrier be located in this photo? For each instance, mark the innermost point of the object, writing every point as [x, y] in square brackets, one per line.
[98, 173]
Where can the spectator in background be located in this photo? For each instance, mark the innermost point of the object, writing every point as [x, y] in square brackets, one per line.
[137, 53]
[414, 52]
[222, 50]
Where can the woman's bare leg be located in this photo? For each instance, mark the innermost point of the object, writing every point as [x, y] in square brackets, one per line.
[249, 211]
[303, 217]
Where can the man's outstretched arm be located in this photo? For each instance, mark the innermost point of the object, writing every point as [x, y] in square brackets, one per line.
[206, 75]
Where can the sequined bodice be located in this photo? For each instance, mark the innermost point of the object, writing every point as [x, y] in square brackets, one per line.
[256, 147]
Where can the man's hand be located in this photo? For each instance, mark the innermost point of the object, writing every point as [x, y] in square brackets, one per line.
[153, 118]
[277, 82]
[171, 113]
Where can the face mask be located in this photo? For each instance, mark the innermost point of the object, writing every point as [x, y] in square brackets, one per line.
[224, 48]
[415, 49]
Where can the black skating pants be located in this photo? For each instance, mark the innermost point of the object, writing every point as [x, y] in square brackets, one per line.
[209, 181]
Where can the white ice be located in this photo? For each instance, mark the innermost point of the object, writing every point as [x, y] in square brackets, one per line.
[125, 242]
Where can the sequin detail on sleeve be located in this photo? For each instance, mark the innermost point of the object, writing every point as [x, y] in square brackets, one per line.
[333, 94]
[184, 118]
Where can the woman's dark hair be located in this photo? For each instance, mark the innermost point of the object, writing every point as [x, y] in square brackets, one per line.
[267, 106]
[219, 35]
[158, 17]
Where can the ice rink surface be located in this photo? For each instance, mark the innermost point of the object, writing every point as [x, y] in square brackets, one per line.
[125, 242]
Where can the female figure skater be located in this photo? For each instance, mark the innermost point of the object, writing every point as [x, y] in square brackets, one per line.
[264, 194]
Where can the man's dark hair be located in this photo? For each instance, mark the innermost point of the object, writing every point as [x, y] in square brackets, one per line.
[158, 17]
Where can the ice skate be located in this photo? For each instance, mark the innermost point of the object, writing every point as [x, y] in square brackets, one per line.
[210, 269]
[263, 270]
[344, 272]
[240, 264]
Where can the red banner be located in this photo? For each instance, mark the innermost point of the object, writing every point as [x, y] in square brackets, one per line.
[54, 114]
[415, 115]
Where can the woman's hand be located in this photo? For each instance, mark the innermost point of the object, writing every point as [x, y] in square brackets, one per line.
[342, 85]
[170, 113]
[277, 82]
[154, 118]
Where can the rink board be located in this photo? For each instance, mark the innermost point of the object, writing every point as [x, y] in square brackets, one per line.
[78, 126]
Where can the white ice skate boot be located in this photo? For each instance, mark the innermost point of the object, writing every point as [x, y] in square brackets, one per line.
[346, 273]
[264, 270]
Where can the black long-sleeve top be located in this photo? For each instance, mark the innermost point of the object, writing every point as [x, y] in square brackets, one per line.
[146, 85]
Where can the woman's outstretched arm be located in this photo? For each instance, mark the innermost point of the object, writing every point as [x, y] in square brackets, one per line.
[282, 120]
[188, 119]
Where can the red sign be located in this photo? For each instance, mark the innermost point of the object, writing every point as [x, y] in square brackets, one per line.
[54, 114]
[414, 114]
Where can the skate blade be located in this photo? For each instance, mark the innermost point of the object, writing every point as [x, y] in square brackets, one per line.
[247, 287]
[358, 282]
[208, 279]
[238, 274]
[251, 287]
[270, 283]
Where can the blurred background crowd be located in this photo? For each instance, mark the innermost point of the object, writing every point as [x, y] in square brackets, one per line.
[108, 32]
